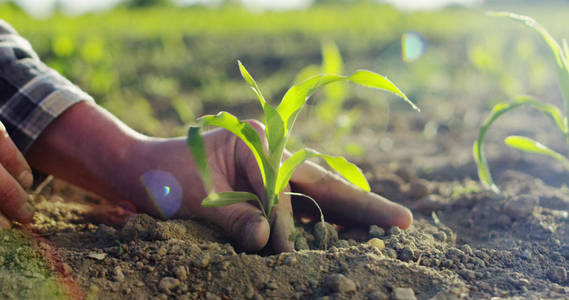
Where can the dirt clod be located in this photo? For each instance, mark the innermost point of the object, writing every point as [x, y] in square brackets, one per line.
[324, 235]
[403, 294]
[419, 188]
[376, 243]
[338, 283]
[376, 232]
[557, 274]
[167, 284]
[520, 206]
[118, 274]
[377, 295]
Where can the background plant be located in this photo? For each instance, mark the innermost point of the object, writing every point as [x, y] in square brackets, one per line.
[278, 123]
[559, 118]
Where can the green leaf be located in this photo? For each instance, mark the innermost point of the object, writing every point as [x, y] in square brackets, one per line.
[228, 198]
[529, 145]
[499, 109]
[307, 72]
[296, 96]
[374, 80]
[289, 165]
[348, 170]
[246, 133]
[252, 83]
[561, 54]
[197, 149]
[275, 131]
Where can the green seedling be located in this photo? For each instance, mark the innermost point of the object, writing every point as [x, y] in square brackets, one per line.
[278, 123]
[330, 110]
[561, 54]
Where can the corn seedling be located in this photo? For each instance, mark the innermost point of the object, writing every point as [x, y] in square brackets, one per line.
[330, 111]
[278, 123]
[561, 54]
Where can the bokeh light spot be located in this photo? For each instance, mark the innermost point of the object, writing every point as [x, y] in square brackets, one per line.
[413, 46]
[164, 190]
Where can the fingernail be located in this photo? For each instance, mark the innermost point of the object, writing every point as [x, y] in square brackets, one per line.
[26, 179]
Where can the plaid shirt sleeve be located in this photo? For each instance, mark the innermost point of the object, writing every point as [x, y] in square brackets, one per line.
[31, 94]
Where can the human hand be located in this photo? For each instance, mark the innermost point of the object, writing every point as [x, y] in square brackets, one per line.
[234, 168]
[15, 176]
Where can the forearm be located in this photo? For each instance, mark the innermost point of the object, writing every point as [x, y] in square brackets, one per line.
[87, 146]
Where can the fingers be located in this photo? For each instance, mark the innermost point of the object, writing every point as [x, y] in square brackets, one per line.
[242, 221]
[345, 203]
[13, 161]
[13, 199]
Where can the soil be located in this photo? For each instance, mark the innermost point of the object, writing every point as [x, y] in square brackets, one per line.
[466, 241]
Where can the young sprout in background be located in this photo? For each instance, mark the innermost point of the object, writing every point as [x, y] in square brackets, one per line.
[561, 54]
[330, 111]
[278, 123]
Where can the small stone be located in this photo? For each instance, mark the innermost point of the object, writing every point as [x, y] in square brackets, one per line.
[390, 252]
[467, 274]
[376, 232]
[521, 206]
[271, 285]
[395, 230]
[97, 255]
[181, 273]
[139, 283]
[167, 284]
[557, 274]
[419, 188]
[324, 235]
[403, 294]
[440, 236]
[118, 274]
[376, 243]
[290, 260]
[377, 295]
[202, 261]
[466, 249]
[339, 283]
[406, 254]
[455, 254]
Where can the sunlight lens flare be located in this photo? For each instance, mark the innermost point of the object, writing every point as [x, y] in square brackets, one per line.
[164, 190]
[413, 46]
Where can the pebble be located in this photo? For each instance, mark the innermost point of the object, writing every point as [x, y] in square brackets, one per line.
[167, 284]
[395, 230]
[181, 273]
[324, 235]
[118, 274]
[377, 295]
[376, 232]
[455, 254]
[403, 294]
[290, 260]
[97, 255]
[339, 283]
[521, 206]
[202, 261]
[440, 236]
[466, 249]
[406, 254]
[376, 243]
[557, 274]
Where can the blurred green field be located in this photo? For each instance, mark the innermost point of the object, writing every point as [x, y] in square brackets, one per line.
[158, 69]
